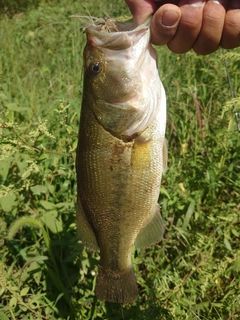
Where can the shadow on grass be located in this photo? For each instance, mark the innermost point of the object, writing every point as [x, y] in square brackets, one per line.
[116, 311]
[77, 300]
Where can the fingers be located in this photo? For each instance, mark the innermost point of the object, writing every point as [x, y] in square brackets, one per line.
[231, 32]
[189, 26]
[185, 24]
[210, 34]
[141, 9]
[178, 26]
[164, 24]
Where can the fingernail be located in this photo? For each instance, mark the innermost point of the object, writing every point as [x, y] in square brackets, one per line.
[222, 2]
[196, 3]
[170, 18]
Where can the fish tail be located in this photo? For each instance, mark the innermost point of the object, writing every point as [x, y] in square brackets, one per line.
[116, 286]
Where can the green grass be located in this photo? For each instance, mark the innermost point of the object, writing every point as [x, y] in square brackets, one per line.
[45, 273]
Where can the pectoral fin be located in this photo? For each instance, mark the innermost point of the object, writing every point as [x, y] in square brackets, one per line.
[85, 231]
[152, 232]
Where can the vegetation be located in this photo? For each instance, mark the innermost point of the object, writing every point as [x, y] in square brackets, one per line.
[45, 272]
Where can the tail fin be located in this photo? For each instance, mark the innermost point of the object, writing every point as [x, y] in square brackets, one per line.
[115, 286]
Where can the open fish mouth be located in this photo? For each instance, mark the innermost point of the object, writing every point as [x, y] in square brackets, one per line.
[100, 29]
[103, 33]
[109, 25]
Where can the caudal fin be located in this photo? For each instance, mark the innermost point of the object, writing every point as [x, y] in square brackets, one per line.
[115, 286]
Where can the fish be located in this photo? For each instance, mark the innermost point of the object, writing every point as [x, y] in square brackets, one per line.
[121, 152]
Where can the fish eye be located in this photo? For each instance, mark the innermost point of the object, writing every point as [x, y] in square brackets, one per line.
[95, 68]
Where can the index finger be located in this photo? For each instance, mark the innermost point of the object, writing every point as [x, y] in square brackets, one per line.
[141, 9]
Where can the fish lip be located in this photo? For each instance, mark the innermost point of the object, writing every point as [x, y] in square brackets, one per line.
[94, 30]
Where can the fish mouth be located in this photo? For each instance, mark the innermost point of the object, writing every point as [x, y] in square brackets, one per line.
[112, 26]
[116, 35]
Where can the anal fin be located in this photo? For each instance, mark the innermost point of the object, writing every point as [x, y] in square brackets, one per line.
[152, 231]
[85, 231]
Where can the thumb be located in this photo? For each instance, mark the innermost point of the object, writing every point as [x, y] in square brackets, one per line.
[164, 24]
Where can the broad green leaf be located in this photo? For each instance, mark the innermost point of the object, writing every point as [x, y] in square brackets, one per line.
[74, 144]
[15, 288]
[61, 172]
[4, 167]
[24, 291]
[3, 97]
[14, 107]
[235, 232]
[227, 244]
[1, 291]
[43, 157]
[13, 302]
[53, 221]
[47, 205]
[8, 201]
[38, 189]
[164, 191]
[22, 162]
[3, 316]
[51, 189]
[237, 264]
[36, 270]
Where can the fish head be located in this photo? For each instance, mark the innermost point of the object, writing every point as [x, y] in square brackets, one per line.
[119, 66]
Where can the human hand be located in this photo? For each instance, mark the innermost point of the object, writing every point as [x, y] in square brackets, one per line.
[201, 25]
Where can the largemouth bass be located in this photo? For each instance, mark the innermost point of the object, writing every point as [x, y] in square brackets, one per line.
[121, 152]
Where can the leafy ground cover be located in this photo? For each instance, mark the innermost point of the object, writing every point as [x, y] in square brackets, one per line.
[45, 273]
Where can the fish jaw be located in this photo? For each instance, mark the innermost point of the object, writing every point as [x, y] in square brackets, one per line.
[125, 94]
